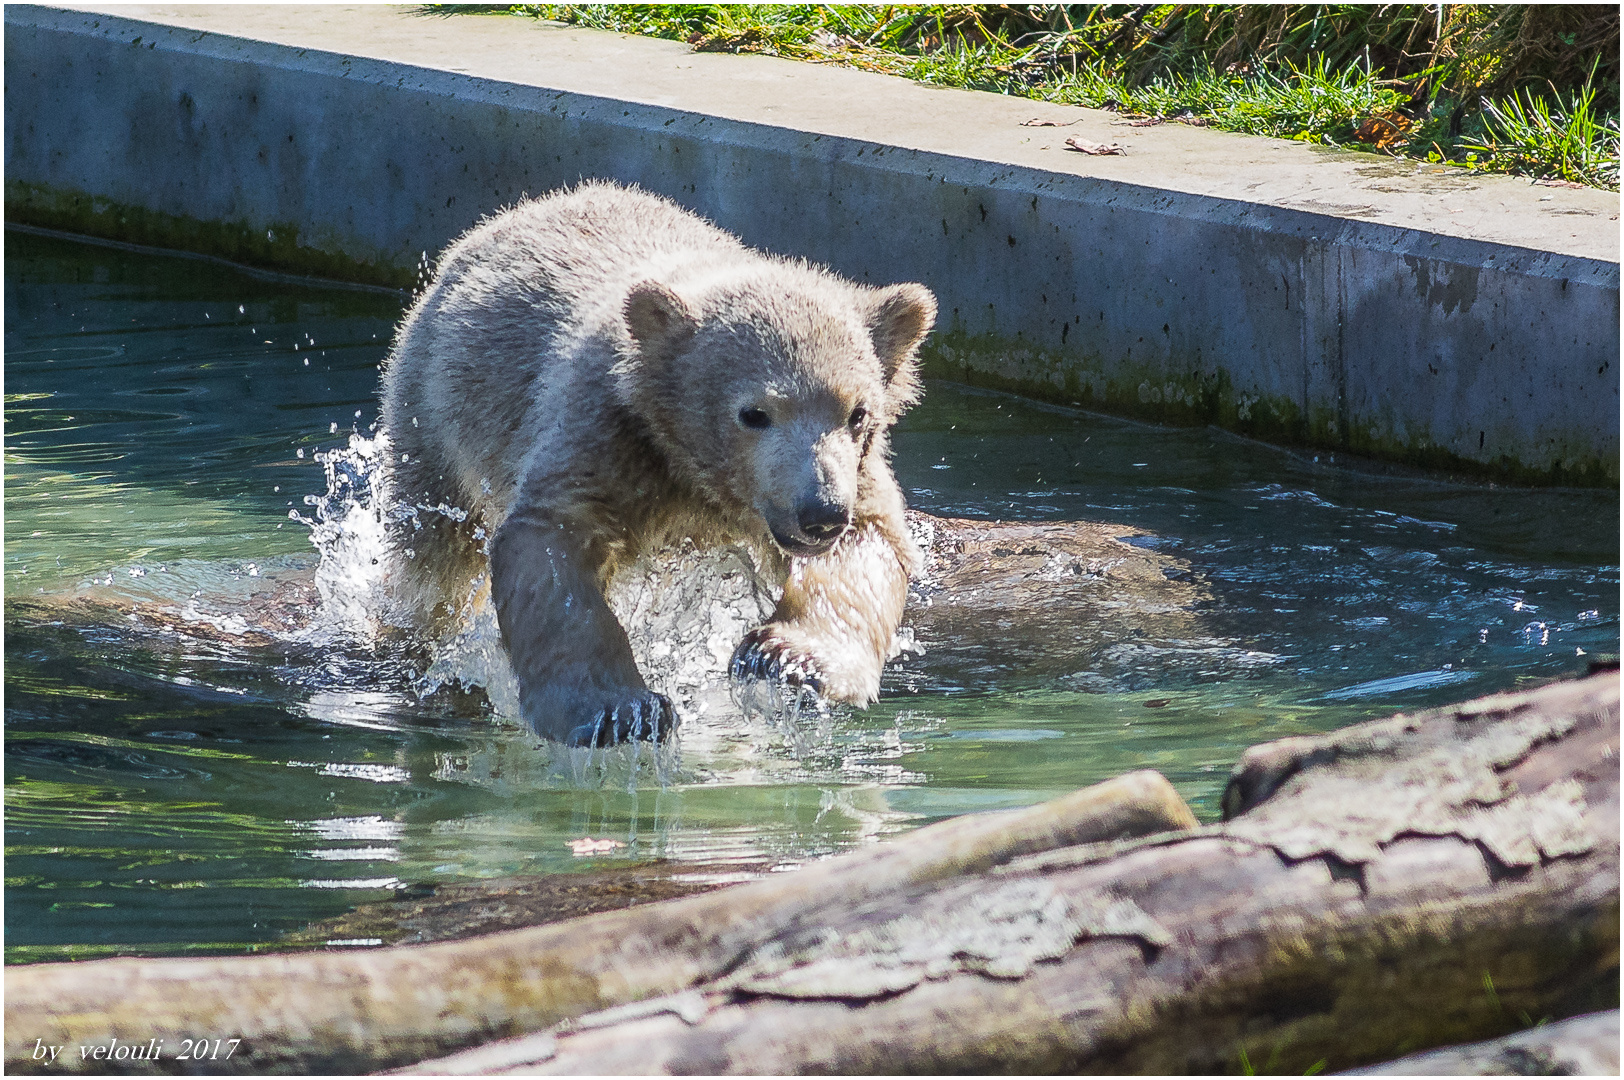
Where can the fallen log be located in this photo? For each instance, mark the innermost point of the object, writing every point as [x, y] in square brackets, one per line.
[1420, 881]
[343, 1012]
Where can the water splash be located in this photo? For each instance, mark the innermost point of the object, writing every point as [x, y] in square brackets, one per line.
[794, 710]
[684, 610]
[347, 527]
[622, 765]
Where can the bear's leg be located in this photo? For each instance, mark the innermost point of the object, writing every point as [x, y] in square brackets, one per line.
[833, 626]
[578, 682]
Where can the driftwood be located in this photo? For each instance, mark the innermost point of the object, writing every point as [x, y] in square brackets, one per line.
[1403, 884]
[348, 1012]
[1584, 1046]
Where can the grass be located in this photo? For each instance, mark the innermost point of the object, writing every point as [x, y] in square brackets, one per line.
[1520, 88]
[1561, 136]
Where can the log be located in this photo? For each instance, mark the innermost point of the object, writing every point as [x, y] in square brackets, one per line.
[344, 1012]
[1583, 1046]
[1425, 880]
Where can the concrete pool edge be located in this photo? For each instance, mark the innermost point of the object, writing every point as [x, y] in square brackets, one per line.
[1383, 327]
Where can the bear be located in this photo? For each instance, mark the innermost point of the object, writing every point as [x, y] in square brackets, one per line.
[596, 374]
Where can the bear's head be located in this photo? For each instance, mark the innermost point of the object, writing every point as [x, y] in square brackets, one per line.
[774, 391]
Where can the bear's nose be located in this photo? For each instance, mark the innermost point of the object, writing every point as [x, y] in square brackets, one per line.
[822, 520]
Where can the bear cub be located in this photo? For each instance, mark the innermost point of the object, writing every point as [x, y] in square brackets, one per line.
[597, 374]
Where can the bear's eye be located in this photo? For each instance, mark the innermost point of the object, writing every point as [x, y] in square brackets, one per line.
[754, 418]
[858, 415]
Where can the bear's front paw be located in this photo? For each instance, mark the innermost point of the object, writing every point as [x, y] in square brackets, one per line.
[642, 715]
[765, 653]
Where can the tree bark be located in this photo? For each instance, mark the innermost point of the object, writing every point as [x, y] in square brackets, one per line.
[1413, 882]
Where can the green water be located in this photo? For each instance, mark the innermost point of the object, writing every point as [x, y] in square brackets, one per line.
[171, 791]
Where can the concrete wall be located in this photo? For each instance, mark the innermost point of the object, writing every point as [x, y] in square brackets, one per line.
[1339, 324]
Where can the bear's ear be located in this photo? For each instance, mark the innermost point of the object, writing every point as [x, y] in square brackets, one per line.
[898, 321]
[658, 319]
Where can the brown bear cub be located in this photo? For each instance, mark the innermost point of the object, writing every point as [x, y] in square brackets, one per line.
[597, 374]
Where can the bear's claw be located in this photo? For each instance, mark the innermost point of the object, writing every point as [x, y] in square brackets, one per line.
[647, 716]
[762, 655]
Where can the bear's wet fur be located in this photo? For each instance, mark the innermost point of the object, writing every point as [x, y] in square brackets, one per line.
[597, 374]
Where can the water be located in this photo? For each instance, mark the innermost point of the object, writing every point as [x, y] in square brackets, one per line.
[191, 767]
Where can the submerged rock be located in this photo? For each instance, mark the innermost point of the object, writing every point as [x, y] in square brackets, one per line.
[1082, 605]
[1088, 605]
[463, 910]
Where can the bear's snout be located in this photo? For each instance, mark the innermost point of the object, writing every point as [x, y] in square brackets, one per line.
[811, 528]
[823, 520]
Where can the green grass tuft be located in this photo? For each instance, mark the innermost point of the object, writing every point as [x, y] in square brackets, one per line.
[1558, 136]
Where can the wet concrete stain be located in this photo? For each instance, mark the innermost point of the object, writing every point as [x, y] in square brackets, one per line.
[1454, 291]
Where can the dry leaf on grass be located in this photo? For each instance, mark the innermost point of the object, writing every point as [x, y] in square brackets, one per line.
[1097, 149]
[1385, 130]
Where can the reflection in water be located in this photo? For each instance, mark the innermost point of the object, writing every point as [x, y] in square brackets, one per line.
[195, 763]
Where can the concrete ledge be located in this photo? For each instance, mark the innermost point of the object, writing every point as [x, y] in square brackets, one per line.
[1328, 299]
